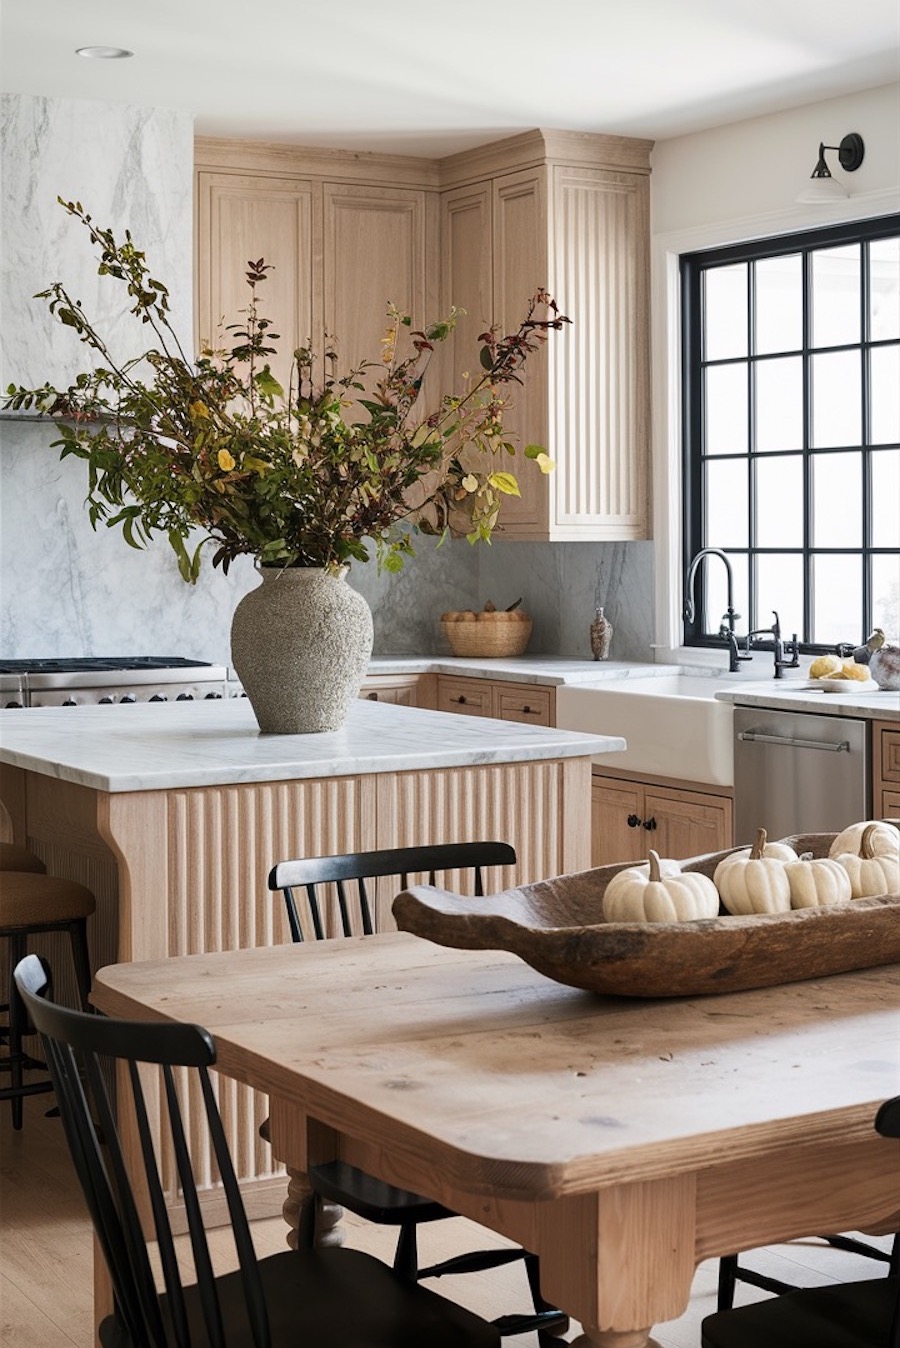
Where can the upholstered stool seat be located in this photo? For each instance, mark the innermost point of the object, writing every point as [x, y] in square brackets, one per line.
[32, 903]
[16, 858]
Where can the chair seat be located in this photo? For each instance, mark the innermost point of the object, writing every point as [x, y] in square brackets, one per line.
[16, 858]
[845, 1315]
[340, 1297]
[29, 901]
[372, 1198]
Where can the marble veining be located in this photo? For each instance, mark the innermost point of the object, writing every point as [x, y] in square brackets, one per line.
[147, 747]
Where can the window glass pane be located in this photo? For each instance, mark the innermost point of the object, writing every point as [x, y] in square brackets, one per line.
[779, 404]
[779, 502]
[885, 395]
[837, 599]
[726, 409]
[885, 498]
[886, 595]
[779, 304]
[779, 587]
[836, 400]
[884, 287]
[725, 319]
[835, 296]
[727, 504]
[837, 500]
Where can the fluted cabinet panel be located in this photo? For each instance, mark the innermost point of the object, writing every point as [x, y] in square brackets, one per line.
[599, 387]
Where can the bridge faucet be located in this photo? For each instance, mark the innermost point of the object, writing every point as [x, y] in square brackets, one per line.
[726, 629]
[779, 646]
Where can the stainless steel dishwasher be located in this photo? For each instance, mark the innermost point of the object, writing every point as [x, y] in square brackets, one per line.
[798, 773]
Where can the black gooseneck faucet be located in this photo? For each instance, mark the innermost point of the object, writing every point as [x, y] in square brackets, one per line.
[726, 630]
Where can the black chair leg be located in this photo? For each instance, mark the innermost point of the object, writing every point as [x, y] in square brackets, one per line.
[406, 1257]
[728, 1266]
[17, 1022]
[81, 960]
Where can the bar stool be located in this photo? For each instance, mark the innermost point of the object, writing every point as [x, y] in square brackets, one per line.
[31, 903]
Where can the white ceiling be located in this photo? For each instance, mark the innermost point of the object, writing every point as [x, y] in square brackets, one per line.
[435, 76]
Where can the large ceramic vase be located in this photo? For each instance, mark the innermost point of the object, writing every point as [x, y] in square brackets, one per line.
[300, 645]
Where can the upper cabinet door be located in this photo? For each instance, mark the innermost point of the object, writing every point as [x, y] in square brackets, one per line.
[244, 218]
[374, 256]
[599, 366]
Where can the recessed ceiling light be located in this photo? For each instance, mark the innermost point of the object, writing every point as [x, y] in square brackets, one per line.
[104, 53]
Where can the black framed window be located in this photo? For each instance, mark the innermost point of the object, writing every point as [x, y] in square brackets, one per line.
[791, 383]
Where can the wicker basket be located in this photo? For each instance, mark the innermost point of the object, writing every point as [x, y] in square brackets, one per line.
[490, 638]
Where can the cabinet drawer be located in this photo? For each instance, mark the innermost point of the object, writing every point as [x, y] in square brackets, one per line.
[523, 702]
[890, 755]
[469, 697]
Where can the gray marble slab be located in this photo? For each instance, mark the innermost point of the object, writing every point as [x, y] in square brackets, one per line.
[154, 747]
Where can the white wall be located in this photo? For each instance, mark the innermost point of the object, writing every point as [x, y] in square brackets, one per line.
[732, 183]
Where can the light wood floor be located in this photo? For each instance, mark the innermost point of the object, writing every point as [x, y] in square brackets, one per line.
[46, 1252]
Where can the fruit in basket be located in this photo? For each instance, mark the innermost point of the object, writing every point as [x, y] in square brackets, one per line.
[659, 891]
[816, 882]
[754, 880]
[870, 872]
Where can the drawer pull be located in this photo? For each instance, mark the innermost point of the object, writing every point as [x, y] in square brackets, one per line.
[650, 823]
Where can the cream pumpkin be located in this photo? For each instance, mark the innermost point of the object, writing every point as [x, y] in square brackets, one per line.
[754, 880]
[817, 882]
[869, 872]
[884, 840]
[659, 891]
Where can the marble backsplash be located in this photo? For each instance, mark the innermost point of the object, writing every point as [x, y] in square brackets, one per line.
[68, 590]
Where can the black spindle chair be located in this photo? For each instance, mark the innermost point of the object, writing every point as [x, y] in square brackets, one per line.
[340, 1297]
[345, 1184]
[839, 1315]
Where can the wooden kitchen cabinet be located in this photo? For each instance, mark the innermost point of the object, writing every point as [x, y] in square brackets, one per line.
[574, 219]
[404, 690]
[886, 762]
[629, 817]
[532, 704]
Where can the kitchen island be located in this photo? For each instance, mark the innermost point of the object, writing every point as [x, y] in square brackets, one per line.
[173, 814]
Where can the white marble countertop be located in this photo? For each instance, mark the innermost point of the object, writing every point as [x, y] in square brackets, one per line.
[155, 746]
[869, 704]
[546, 669]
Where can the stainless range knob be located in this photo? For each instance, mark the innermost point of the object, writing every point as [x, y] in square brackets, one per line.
[159, 697]
[210, 697]
[128, 697]
[106, 701]
[183, 697]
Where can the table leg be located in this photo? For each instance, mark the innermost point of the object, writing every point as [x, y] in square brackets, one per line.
[614, 1338]
[329, 1231]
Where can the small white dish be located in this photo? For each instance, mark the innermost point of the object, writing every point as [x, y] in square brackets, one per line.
[846, 685]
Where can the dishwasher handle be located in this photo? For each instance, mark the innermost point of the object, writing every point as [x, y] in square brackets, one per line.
[757, 737]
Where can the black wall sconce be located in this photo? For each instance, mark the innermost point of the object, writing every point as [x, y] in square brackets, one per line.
[822, 187]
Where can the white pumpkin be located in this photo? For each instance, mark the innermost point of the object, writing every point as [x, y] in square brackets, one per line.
[884, 840]
[870, 873]
[779, 851]
[817, 882]
[754, 880]
[659, 891]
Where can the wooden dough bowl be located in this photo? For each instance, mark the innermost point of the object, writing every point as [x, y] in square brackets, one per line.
[557, 927]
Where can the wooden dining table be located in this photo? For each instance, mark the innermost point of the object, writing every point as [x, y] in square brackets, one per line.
[623, 1140]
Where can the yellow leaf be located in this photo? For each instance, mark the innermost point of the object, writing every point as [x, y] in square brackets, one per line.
[506, 483]
[199, 411]
[260, 466]
[470, 482]
[545, 463]
[226, 462]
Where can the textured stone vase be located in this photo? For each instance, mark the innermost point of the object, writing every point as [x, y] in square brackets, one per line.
[300, 645]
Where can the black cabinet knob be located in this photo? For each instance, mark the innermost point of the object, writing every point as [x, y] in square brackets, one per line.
[633, 821]
[650, 823]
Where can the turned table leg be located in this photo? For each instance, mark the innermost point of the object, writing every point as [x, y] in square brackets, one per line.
[329, 1231]
[614, 1338]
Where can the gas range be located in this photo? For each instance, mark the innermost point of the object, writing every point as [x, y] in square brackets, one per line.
[109, 679]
